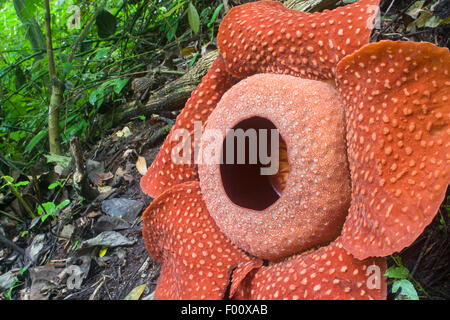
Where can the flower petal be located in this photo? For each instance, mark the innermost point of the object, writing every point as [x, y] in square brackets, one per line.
[266, 37]
[241, 273]
[397, 99]
[164, 172]
[196, 257]
[312, 207]
[327, 273]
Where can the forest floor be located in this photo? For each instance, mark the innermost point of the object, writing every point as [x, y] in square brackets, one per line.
[113, 266]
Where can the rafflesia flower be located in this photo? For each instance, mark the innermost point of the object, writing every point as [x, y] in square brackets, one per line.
[363, 154]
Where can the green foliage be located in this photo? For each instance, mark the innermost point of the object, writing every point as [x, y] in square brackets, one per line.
[126, 36]
[407, 290]
[14, 187]
[9, 182]
[61, 160]
[50, 209]
[15, 283]
[54, 185]
[403, 285]
[397, 272]
[194, 19]
[106, 23]
[424, 17]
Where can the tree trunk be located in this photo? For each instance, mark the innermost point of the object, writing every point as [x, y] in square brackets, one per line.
[56, 100]
[54, 135]
[173, 95]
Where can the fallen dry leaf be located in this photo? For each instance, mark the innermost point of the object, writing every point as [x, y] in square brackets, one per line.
[104, 189]
[98, 178]
[125, 132]
[127, 153]
[124, 174]
[136, 293]
[141, 165]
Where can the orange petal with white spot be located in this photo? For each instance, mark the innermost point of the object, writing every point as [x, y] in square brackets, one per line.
[241, 273]
[175, 162]
[197, 259]
[266, 37]
[329, 273]
[308, 206]
[397, 100]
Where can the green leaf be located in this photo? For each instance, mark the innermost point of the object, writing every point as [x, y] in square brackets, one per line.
[36, 139]
[397, 272]
[63, 204]
[194, 58]
[97, 96]
[172, 31]
[106, 23]
[17, 135]
[415, 9]
[8, 179]
[176, 7]
[102, 252]
[78, 126]
[75, 245]
[54, 185]
[407, 290]
[423, 18]
[23, 270]
[49, 208]
[136, 293]
[215, 14]
[193, 18]
[120, 84]
[93, 97]
[434, 22]
[102, 53]
[21, 183]
[67, 67]
[61, 160]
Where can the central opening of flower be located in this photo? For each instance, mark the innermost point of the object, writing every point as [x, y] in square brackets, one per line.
[255, 167]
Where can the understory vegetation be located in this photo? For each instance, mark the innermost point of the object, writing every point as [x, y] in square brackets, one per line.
[75, 77]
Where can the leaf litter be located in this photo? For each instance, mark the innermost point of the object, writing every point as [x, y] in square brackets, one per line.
[91, 250]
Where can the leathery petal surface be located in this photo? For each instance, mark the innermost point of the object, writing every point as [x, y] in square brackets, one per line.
[197, 259]
[397, 101]
[327, 273]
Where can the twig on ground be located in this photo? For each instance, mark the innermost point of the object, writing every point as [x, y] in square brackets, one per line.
[425, 246]
[11, 244]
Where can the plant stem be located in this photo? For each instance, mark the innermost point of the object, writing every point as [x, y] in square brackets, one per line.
[22, 201]
[398, 262]
[11, 244]
[11, 216]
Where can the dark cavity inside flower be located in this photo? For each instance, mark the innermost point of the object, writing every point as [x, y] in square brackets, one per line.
[244, 180]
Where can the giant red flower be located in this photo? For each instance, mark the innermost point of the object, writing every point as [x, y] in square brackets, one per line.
[363, 160]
